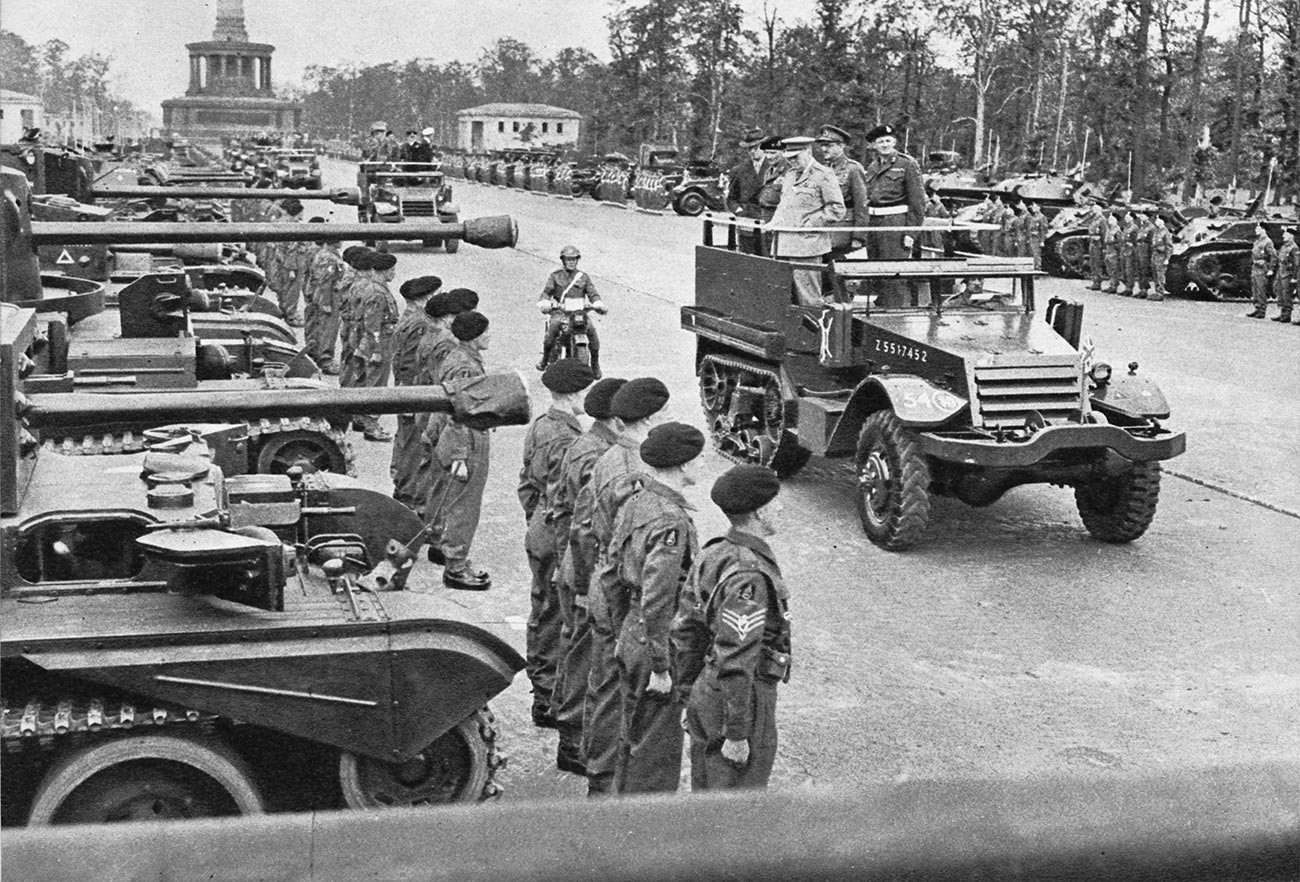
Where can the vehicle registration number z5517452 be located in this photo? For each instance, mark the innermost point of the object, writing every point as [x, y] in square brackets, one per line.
[889, 347]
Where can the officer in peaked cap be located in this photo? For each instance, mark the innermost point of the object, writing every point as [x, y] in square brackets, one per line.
[833, 141]
[810, 197]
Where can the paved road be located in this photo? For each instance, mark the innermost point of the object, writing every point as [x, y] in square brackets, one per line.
[1010, 644]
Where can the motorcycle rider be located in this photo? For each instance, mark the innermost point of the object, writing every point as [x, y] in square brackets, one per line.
[560, 285]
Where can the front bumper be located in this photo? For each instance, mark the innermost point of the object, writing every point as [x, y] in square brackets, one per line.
[1049, 440]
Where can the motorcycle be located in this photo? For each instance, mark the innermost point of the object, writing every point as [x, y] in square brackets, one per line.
[573, 340]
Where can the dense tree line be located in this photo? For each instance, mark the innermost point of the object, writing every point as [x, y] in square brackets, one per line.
[69, 88]
[1129, 85]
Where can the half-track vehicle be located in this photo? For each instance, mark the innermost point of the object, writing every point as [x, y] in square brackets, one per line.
[937, 376]
[184, 642]
[1211, 258]
[395, 192]
[295, 168]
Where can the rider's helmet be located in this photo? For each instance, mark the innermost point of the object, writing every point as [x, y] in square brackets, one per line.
[568, 251]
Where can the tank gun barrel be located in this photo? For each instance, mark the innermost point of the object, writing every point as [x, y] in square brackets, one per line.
[499, 231]
[482, 403]
[339, 196]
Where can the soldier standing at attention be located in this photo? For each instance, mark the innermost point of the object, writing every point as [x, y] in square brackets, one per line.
[1162, 245]
[1128, 254]
[732, 633]
[1017, 234]
[934, 208]
[617, 474]
[1263, 258]
[652, 548]
[853, 188]
[1007, 245]
[1096, 224]
[290, 261]
[374, 325]
[322, 294]
[569, 281]
[895, 197]
[810, 197]
[571, 507]
[1142, 254]
[357, 257]
[1036, 233]
[461, 456]
[407, 334]
[548, 439]
[987, 213]
[1114, 235]
[1288, 270]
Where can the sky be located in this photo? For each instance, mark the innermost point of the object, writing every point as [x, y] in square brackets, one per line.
[146, 38]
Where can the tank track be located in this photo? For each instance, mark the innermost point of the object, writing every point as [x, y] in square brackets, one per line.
[496, 758]
[44, 723]
[751, 444]
[134, 442]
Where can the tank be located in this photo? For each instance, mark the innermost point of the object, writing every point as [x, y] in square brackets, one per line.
[160, 339]
[182, 642]
[1211, 257]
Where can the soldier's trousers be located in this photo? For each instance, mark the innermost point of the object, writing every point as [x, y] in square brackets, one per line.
[1112, 271]
[1142, 263]
[287, 294]
[650, 738]
[1284, 290]
[710, 770]
[1259, 290]
[542, 637]
[373, 376]
[320, 333]
[1128, 272]
[1158, 269]
[1096, 264]
[1036, 252]
[602, 710]
[457, 505]
[575, 649]
[888, 246]
[408, 456]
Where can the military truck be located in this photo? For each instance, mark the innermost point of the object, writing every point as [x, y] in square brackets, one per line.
[182, 642]
[937, 376]
[393, 192]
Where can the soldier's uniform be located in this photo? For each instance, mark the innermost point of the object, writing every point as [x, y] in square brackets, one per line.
[1284, 279]
[895, 197]
[560, 285]
[732, 647]
[853, 188]
[987, 213]
[429, 355]
[653, 546]
[373, 356]
[1017, 235]
[355, 277]
[1162, 245]
[323, 295]
[1035, 233]
[1007, 236]
[934, 208]
[1142, 255]
[1263, 256]
[1113, 245]
[1096, 247]
[1128, 255]
[408, 445]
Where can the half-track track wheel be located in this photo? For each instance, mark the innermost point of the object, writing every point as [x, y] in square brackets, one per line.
[312, 450]
[747, 415]
[893, 483]
[459, 766]
[145, 778]
[1121, 508]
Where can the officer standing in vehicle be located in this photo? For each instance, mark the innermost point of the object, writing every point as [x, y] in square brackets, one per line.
[934, 208]
[1096, 225]
[571, 510]
[547, 441]
[731, 638]
[374, 335]
[1288, 270]
[810, 197]
[895, 195]
[1162, 245]
[652, 548]
[563, 283]
[461, 456]
[832, 141]
[409, 331]
[1263, 259]
[744, 184]
[323, 293]
[618, 473]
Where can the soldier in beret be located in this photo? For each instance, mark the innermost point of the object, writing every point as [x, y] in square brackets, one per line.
[617, 474]
[460, 464]
[732, 635]
[441, 309]
[832, 140]
[323, 294]
[358, 259]
[288, 265]
[1284, 280]
[411, 328]
[575, 569]
[548, 439]
[895, 198]
[374, 320]
[651, 549]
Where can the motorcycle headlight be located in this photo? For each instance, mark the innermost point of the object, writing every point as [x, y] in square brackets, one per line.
[1100, 373]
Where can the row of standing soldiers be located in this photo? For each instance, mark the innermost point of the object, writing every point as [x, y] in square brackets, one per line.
[632, 622]
[1128, 251]
[1278, 268]
[1022, 228]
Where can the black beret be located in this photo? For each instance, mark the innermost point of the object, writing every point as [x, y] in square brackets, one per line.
[745, 488]
[772, 143]
[469, 325]
[350, 252]
[382, 260]
[361, 260]
[566, 376]
[671, 445]
[599, 396]
[420, 286]
[462, 300]
[834, 133]
[881, 131]
[438, 306]
[639, 399]
[292, 206]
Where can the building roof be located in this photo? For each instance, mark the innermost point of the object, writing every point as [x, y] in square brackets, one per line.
[18, 97]
[504, 108]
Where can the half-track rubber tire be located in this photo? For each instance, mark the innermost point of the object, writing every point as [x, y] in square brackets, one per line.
[457, 767]
[893, 492]
[1120, 509]
[142, 777]
[690, 204]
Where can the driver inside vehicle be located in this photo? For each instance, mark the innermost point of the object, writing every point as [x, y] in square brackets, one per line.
[564, 286]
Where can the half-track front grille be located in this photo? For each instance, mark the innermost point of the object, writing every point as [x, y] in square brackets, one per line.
[1007, 395]
[419, 208]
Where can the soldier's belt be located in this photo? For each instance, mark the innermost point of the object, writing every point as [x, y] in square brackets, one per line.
[884, 210]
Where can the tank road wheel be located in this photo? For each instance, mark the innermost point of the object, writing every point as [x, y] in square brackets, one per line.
[457, 767]
[451, 246]
[691, 204]
[1073, 254]
[716, 383]
[1120, 509]
[893, 483]
[145, 778]
[311, 450]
